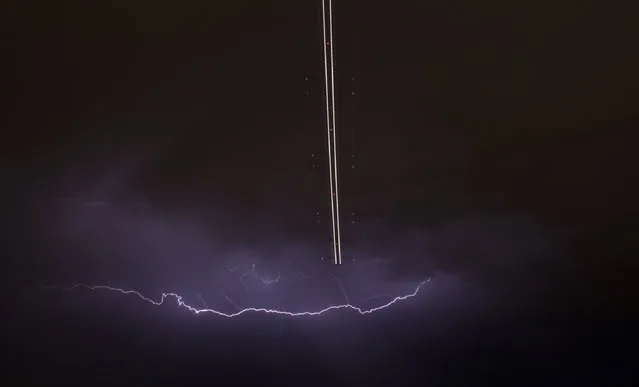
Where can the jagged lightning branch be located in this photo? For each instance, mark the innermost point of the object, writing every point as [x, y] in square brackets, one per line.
[283, 313]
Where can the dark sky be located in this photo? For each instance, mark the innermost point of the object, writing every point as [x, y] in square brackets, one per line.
[473, 138]
[445, 92]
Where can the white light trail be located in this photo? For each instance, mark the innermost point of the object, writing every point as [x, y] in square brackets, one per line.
[329, 76]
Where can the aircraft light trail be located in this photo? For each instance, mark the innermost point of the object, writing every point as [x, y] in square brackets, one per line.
[329, 76]
[242, 311]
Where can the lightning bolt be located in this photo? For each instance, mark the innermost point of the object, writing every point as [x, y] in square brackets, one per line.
[199, 296]
[341, 286]
[283, 313]
[253, 274]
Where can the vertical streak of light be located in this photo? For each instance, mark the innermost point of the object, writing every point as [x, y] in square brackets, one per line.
[338, 242]
[330, 123]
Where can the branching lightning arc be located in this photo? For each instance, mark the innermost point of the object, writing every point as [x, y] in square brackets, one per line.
[283, 313]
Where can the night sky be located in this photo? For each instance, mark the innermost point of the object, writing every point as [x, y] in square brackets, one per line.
[181, 146]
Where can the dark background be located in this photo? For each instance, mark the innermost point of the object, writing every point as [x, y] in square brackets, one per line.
[458, 122]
